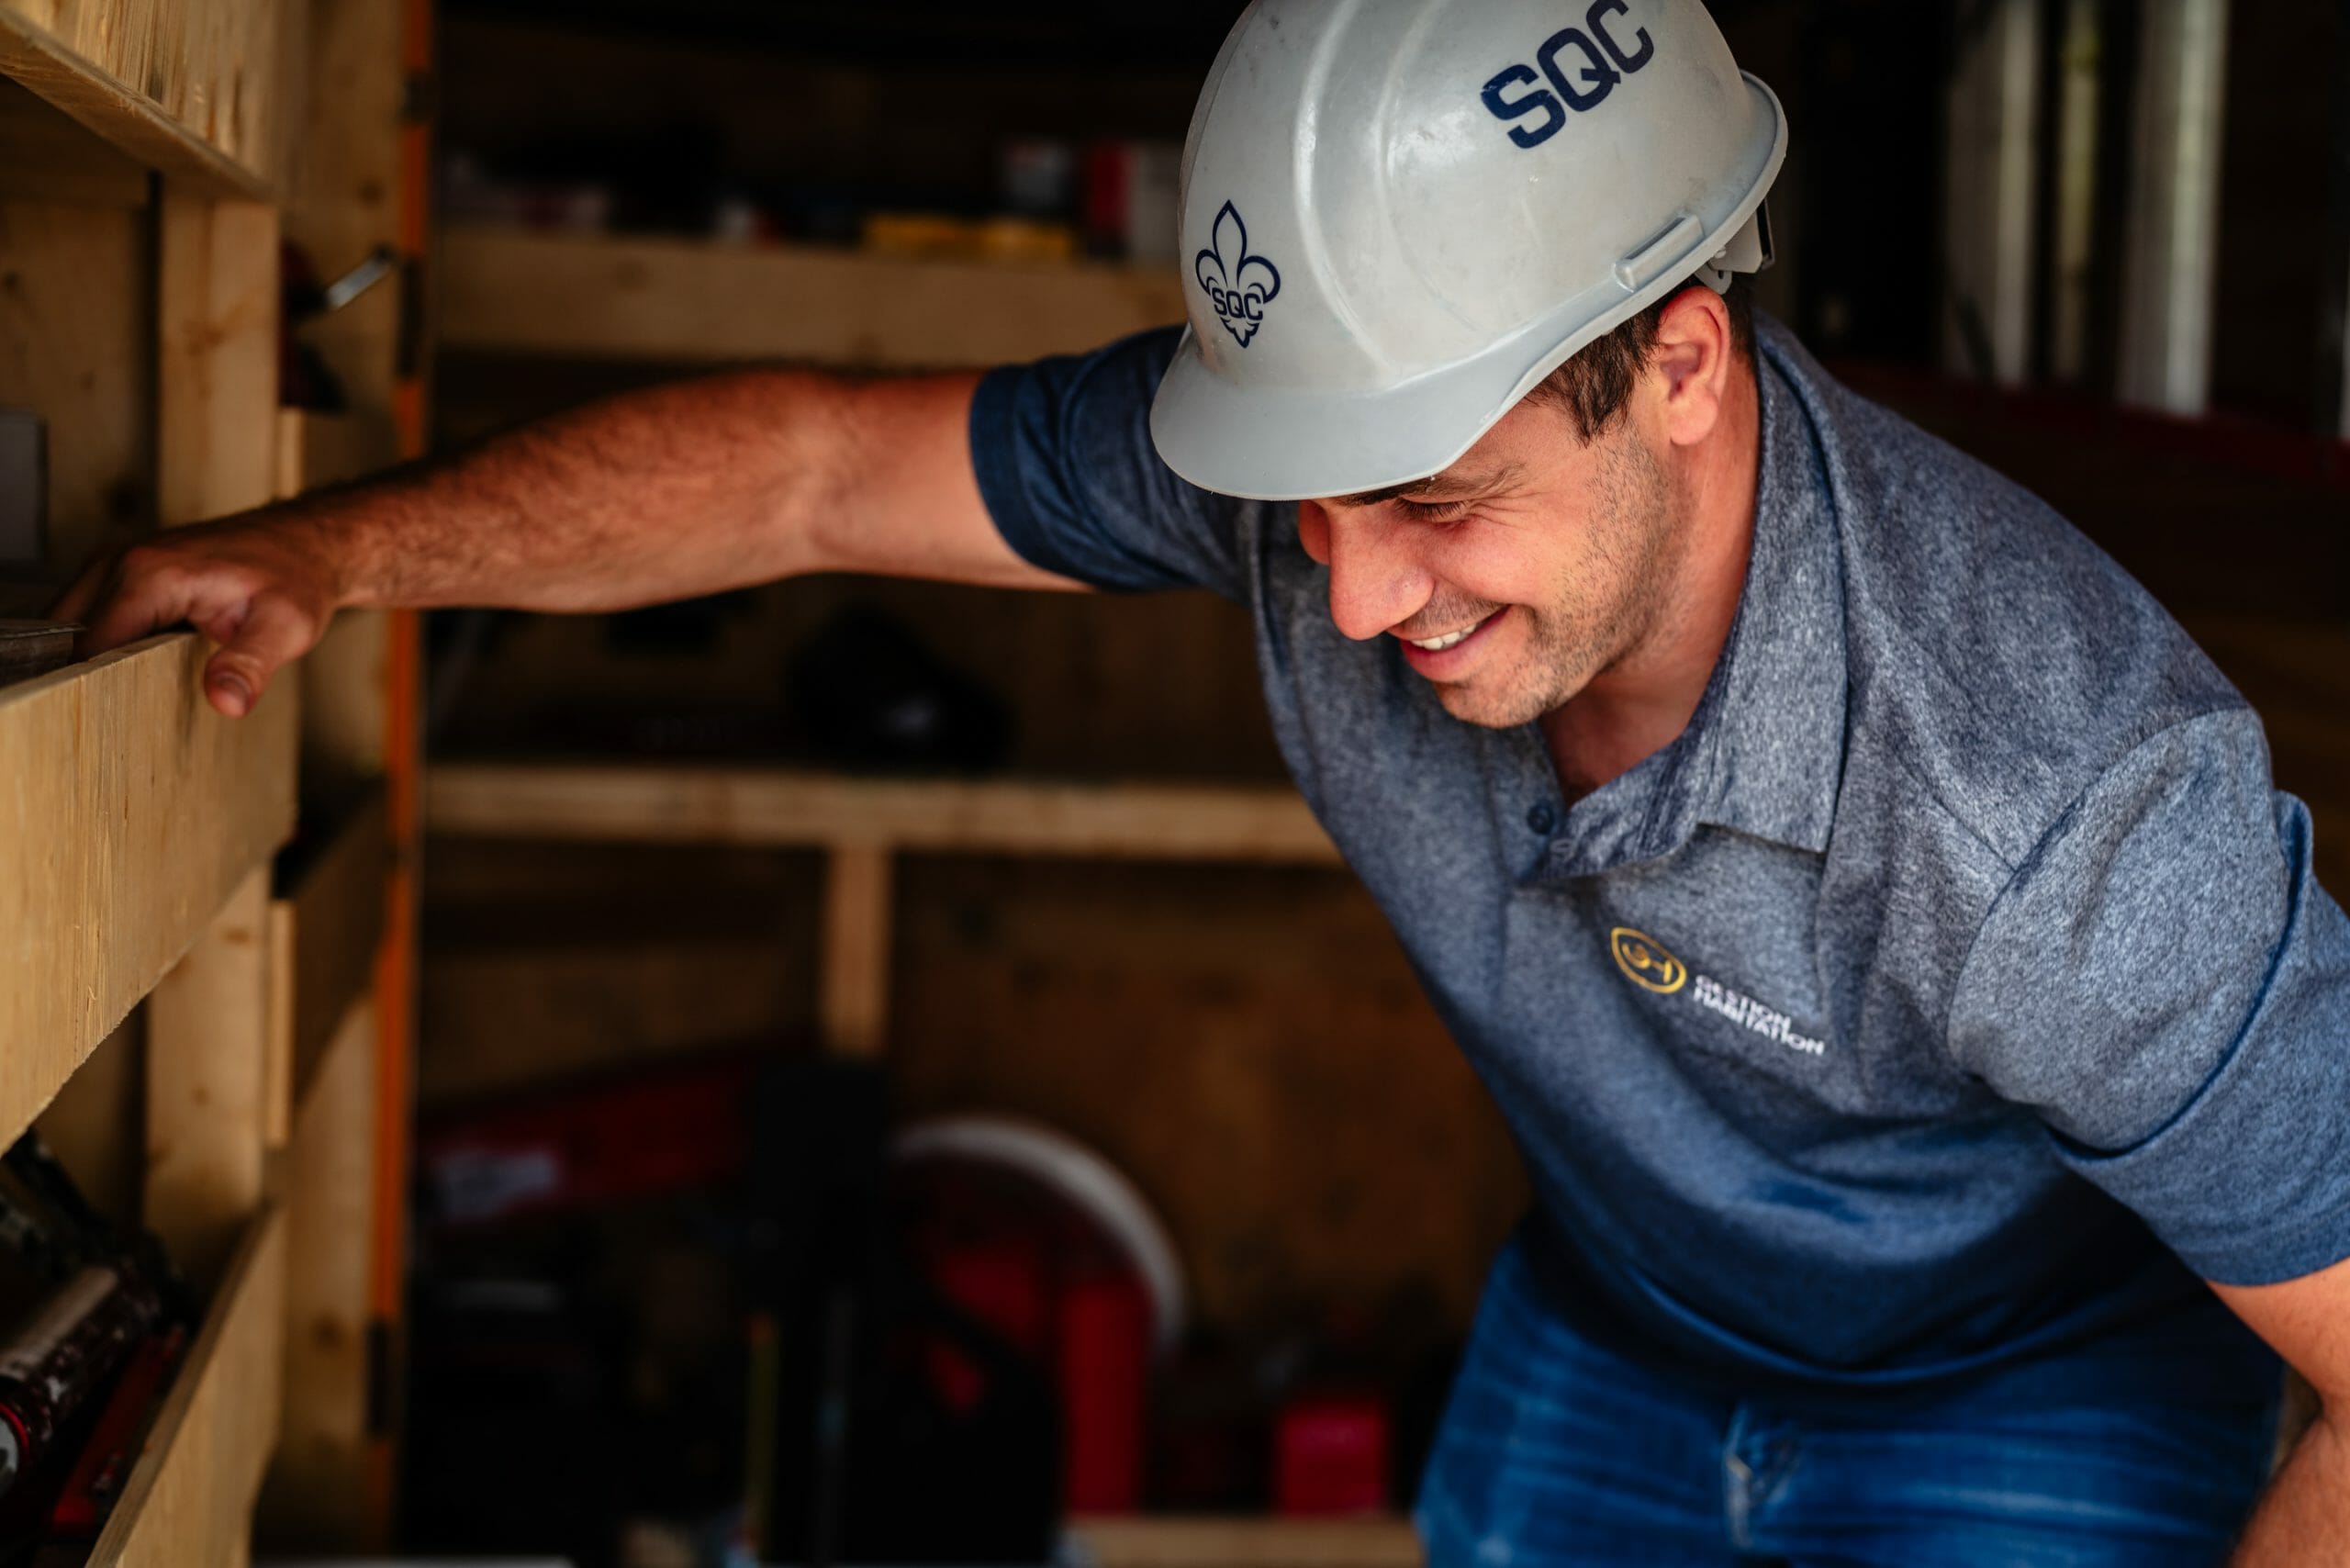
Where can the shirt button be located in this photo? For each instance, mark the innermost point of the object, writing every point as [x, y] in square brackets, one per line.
[1542, 820]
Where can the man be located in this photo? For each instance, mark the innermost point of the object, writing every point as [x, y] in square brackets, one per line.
[1872, 913]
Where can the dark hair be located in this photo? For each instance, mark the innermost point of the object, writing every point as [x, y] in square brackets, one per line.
[1594, 386]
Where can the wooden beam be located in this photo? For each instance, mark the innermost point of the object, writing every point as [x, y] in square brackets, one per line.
[209, 1086]
[189, 1499]
[324, 926]
[314, 1501]
[1137, 1542]
[343, 193]
[668, 299]
[788, 810]
[132, 814]
[217, 339]
[90, 86]
[854, 1000]
[346, 679]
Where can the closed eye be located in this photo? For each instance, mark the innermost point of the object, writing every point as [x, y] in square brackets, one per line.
[1437, 511]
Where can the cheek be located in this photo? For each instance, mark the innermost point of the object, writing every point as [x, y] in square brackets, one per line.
[1499, 564]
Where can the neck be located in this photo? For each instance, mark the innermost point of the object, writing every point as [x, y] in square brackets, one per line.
[1642, 700]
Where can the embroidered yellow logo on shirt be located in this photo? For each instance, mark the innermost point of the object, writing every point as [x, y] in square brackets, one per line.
[1645, 962]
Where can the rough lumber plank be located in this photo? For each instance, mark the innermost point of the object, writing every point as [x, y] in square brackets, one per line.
[215, 333]
[209, 1086]
[189, 1499]
[784, 810]
[342, 197]
[1140, 1543]
[662, 299]
[324, 927]
[189, 136]
[855, 998]
[311, 1501]
[132, 813]
[346, 679]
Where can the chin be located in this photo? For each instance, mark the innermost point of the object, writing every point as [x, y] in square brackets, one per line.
[1474, 702]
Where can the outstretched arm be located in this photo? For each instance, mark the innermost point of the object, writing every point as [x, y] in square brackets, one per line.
[679, 490]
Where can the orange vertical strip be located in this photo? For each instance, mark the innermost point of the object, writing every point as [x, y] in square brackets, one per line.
[395, 974]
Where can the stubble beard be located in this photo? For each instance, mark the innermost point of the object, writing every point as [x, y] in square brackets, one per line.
[1602, 611]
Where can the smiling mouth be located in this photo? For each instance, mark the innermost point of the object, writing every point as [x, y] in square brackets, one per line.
[1450, 639]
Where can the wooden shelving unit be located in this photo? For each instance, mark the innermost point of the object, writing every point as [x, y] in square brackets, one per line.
[135, 857]
[147, 812]
[683, 301]
[203, 993]
[861, 825]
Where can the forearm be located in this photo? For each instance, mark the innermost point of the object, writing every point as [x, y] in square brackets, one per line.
[2304, 1519]
[679, 490]
[666, 493]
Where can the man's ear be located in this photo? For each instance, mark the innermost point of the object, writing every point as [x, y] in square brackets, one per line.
[1691, 364]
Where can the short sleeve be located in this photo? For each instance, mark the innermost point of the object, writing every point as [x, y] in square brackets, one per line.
[1066, 466]
[2164, 982]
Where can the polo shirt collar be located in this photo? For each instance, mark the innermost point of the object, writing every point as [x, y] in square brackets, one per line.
[1763, 755]
[1777, 752]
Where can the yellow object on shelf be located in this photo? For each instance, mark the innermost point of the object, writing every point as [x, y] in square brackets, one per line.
[990, 238]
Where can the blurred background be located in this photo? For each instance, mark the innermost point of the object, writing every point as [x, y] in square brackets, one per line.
[831, 1138]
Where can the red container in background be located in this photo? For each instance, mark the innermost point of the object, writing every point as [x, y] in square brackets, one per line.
[1104, 1355]
[1330, 1456]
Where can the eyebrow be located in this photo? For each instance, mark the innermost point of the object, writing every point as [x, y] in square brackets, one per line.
[1436, 487]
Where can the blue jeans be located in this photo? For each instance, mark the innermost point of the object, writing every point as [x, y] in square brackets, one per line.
[1556, 1451]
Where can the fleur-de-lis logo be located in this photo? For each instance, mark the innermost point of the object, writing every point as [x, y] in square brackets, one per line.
[1239, 284]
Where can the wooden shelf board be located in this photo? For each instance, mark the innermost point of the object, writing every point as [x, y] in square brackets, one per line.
[783, 808]
[666, 300]
[1142, 1541]
[134, 813]
[118, 115]
[189, 1497]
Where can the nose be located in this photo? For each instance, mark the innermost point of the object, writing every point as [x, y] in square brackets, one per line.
[1375, 581]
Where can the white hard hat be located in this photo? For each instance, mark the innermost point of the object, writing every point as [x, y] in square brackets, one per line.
[1402, 215]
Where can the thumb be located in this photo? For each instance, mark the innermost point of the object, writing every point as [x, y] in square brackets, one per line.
[273, 634]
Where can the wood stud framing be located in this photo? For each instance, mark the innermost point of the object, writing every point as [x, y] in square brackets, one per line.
[188, 1498]
[208, 1085]
[141, 161]
[147, 812]
[191, 88]
[861, 825]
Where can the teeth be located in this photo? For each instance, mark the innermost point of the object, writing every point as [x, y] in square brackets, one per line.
[1438, 645]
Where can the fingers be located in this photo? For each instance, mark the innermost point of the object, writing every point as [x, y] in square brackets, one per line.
[273, 634]
[140, 595]
[75, 601]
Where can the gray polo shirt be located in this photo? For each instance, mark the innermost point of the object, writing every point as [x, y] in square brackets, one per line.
[1877, 1027]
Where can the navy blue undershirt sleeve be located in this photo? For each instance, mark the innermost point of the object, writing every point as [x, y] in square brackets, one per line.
[1066, 466]
[2167, 983]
